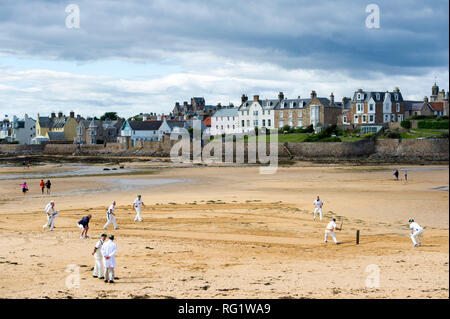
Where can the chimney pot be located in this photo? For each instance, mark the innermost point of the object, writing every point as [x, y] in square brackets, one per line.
[255, 98]
[280, 96]
[53, 115]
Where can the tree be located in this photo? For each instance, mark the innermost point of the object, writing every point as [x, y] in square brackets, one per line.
[111, 116]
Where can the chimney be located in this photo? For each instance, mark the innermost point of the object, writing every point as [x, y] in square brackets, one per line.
[177, 104]
[244, 98]
[280, 96]
[425, 99]
[313, 94]
[53, 115]
[396, 90]
[331, 98]
[298, 97]
[72, 114]
[78, 117]
[185, 104]
[60, 114]
[255, 98]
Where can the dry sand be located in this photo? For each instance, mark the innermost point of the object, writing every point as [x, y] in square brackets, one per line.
[229, 232]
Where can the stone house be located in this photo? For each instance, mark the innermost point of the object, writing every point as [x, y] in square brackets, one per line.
[57, 124]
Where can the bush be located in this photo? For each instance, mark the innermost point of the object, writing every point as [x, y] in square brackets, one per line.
[393, 135]
[422, 117]
[438, 125]
[406, 124]
[443, 135]
[368, 135]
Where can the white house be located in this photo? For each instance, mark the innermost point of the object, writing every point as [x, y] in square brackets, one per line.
[256, 113]
[23, 130]
[141, 130]
[18, 130]
[169, 126]
[225, 121]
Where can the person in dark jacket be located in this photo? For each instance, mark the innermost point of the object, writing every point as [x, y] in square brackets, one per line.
[84, 225]
[48, 184]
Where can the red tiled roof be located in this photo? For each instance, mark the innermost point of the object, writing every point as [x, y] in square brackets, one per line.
[437, 106]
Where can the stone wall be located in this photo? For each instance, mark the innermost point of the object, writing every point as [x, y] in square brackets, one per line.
[389, 150]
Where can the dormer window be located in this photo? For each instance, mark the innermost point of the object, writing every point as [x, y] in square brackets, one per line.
[378, 96]
[396, 97]
[359, 97]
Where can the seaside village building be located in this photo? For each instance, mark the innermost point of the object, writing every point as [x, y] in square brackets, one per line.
[18, 130]
[225, 121]
[371, 110]
[197, 109]
[59, 128]
[133, 131]
[437, 104]
[276, 113]
[98, 132]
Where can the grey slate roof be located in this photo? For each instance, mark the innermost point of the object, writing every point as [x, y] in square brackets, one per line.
[413, 105]
[56, 122]
[373, 94]
[226, 112]
[145, 125]
[56, 136]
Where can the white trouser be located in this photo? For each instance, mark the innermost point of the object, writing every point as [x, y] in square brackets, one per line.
[50, 222]
[417, 234]
[81, 226]
[109, 273]
[138, 214]
[98, 267]
[110, 218]
[331, 233]
[318, 209]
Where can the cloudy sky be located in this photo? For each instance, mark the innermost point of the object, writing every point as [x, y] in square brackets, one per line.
[142, 56]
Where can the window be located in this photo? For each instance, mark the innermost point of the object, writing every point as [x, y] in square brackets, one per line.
[264, 122]
[255, 123]
[228, 118]
[255, 113]
[344, 120]
[268, 112]
[281, 113]
[263, 112]
[243, 123]
[281, 124]
[233, 127]
[248, 122]
[371, 107]
[269, 123]
[392, 117]
[397, 107]
[248, 112]
[356, 119]
[300, 113]
[371, 118]
[364, 118]
[378, 96]
[359, 107]
[399, 117]
[396, 96]
[221, 127]
[300, 123]
[358, 96]
[290, 113]
[386, 117]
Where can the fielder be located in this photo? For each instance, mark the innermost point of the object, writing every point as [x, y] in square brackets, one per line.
[318, 207]
[416, 231]
[109, 250]
[331, 227]
[51, 212]
[97, 253]
[137, 204]
[84, 226]
[110, 216]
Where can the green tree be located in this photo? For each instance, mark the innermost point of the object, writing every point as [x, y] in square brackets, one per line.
[111, 116]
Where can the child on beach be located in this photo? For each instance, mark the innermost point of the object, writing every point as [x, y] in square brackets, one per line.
[42, 185]
[25, 188]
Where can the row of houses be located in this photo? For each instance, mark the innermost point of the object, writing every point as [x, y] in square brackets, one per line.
[368, 110]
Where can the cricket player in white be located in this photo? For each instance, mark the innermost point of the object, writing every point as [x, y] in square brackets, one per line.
[331, 227]
[97, 253]
[110, 216]
[138, 203]
[318, 207]
[416, 231]
[51, 212]
[109, 250]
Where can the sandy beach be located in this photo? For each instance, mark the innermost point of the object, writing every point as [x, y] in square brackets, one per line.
[228, 232]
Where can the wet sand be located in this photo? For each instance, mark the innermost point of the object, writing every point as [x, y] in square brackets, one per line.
[232, 233]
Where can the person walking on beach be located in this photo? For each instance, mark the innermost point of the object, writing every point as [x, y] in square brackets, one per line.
[396, 174]
[331, 227]
[25, 188]
[138, 203]
[48, 184]
[51, 212]
[318, 207]
[416, 231]
[84, 226]
[109, 250]
[42, 186]
[110, 216]
[406, 176]
[97, 253]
